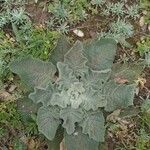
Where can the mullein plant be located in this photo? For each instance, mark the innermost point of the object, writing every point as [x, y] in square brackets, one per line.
[75, 89]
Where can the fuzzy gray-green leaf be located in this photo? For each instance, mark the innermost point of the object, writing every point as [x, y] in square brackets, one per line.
[60, 50]
[96, 79]
[80, 141]
[42, 95]
[66, 76]
[74, 57]
[60, 99]
[48, 121]
[126, 71]
[118, 95]
[100, 53]
[33, 72]
[93, 99]
[93, 125]
[70, 116]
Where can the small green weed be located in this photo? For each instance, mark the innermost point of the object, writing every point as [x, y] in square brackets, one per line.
[13, 12]
[143, 46]
[143, 141]
[133, 11]
[69, 11]
[119, 30]
[122, 28]
[98, 2]
[145, 5]
[115, 9]
[146, 112]
[9, 115]
[37, 42]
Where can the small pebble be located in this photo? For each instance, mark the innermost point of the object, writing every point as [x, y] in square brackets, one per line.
[141, 22]
[78, 32]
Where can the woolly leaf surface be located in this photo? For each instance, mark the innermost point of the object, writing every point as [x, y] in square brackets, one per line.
[60, 99]
[62, 47]
[75, 94]
[129, 72]
[42, 95]
[93, 125]
[71, 116]
[48, 121]
[66, 76]
[93, 99]
[33, 72]
[96, 79]
[75, 59]
[100, 53]
[79, 141]
[118, 95]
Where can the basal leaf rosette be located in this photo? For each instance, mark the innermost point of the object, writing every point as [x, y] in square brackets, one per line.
[78, 95]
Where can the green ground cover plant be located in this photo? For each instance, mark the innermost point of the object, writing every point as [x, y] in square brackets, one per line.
[143, 47]
[145, 4]
[37, 42]
[69, 11]
[76, 97]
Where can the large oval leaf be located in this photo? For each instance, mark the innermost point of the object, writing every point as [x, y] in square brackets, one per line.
[100, 53]
[130, 72]
[33, 72]
[79, 141]
[48, 121]
[55, 143]
[118, 95]
[26, 108]
[93, 99]
[75, 59]
[93, 125]
[60, 50]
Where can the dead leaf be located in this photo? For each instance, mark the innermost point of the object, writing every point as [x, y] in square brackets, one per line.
[31, 144]
[141, 82]
[144, 12]
[4, 95]
[24, 139]
[137, 90]
[93, 34]
[149, 28]
[120, 80]
[141, 21]
[62, 145]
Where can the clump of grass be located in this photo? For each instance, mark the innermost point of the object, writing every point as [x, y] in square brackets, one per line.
[120, 31]
[145, 5]
[133, 11]
[114, 9]
[143, 46]
[37, 42]
[70, 12]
